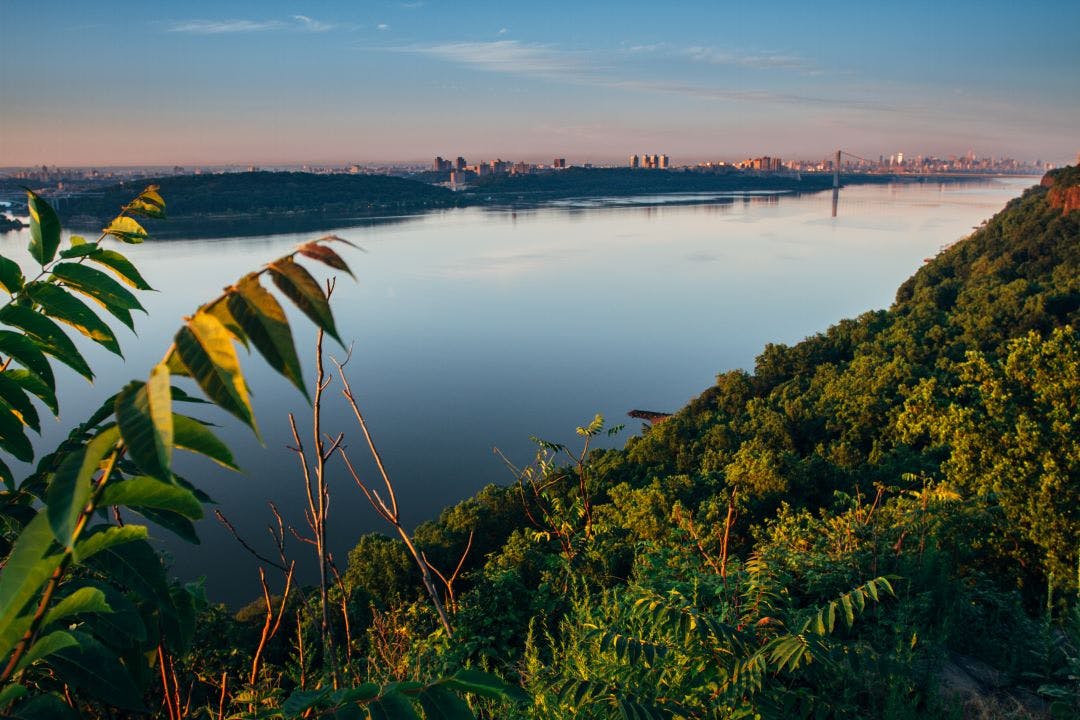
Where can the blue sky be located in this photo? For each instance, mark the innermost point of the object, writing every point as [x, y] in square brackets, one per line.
[280, 82]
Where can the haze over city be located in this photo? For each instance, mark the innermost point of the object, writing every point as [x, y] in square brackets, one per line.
[336, 82]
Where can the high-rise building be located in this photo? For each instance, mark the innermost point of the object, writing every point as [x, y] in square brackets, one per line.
[459, 164]
[559, 163]
[634, 162]
[663, 162]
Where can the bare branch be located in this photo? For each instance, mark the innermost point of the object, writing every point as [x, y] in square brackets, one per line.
[232, 530]
[348, 393]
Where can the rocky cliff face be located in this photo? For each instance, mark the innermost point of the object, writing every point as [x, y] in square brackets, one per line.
[1067, 199]
[1064, 187]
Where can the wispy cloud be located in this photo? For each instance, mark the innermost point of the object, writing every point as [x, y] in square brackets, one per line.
[313, 25]
[412, 5]
[382, 27]
[223, 27]
[729, 56]
[760, 61]
[508, 56]
[590, 68]
[502, 31]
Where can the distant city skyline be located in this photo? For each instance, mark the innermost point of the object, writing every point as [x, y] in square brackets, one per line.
[275, 83]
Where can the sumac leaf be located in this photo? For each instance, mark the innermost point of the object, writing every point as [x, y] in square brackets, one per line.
[190, 434]
[299, 286]
[49, 337]
[61, 305]
[26, 353]
[44, 229]
[126, 230]
[69, 491]
[325, 255]
[206, 350]
[144, 415]
[264, 321]
[148, 492]
[11, 276]
[120, 265]
[96, 670]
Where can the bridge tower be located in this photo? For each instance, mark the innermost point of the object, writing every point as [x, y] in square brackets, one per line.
[836, 170]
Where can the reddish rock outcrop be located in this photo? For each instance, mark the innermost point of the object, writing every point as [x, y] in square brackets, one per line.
[1068, 199]
[1064, 187]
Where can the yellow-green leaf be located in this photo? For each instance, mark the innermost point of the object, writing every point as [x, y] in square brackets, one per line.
[120, 265]
[59, 304]
[305, 292]
[13, 398]
[11, 276]
[220, 310]
[83, 600]
[104, 537]
[190, 434]
[49, 337]
[28, 567]
[264, 321]
[70, 487]
[206, 349]
[148, 203]
[12, 437]
[144, 415]
[47, 645]
[101, 288]
[148, 492]
[26, 353]
[126, 229]
[44, 229]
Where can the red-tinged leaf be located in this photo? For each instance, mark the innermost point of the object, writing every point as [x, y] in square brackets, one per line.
[324, 255]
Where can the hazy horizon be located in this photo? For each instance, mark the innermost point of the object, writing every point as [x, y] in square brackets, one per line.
[275, 83]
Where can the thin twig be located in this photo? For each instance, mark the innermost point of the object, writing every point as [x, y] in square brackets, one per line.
[229, 526]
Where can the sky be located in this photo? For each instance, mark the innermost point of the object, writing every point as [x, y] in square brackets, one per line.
[209, 83]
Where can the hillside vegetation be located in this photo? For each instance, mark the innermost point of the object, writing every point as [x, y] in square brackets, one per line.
[263, 202]
[881, 521]
[933, 443]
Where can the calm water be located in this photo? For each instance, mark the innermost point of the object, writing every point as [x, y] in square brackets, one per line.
[473, 329]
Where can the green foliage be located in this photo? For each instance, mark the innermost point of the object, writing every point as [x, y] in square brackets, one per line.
[85, 603]
[401, 700]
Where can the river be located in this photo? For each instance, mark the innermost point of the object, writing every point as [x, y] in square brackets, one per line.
[474, 328]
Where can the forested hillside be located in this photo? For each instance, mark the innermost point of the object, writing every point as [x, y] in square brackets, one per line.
[251, 203]
[933, 443]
